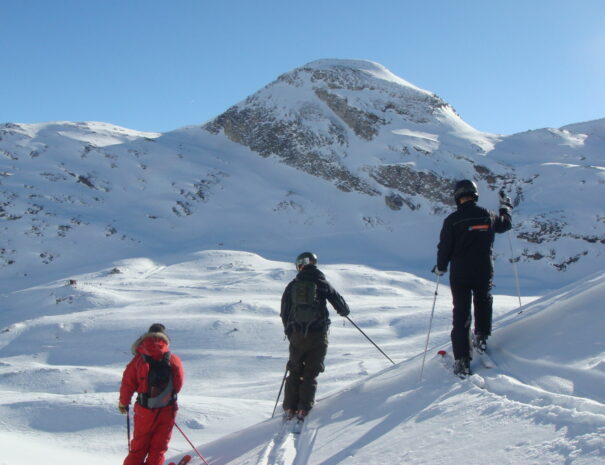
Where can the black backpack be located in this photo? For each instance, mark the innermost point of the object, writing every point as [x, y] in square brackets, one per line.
[159, 381]
[306, 308]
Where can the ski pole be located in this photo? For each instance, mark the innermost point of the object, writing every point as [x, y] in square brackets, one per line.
[514, 263]
[367, 337]
[426, 345]
[190, 443]
[280, 389]
[128, 426]
[504, 199]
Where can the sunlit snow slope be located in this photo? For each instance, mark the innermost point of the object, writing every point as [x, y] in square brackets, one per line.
[63, 348]
[542, 403]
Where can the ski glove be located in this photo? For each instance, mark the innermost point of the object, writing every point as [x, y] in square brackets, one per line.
[437, 271]
[505, 201]
[123, 408]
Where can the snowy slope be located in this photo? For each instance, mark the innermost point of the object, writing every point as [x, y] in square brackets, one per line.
[338, 156]
[63, 348]
[543, 402]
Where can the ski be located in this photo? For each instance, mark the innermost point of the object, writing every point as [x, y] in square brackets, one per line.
[289, 425]
[291, 443]
[485, 359]
[285, 426]
[448, 363]
[297, 427]
[482, 355]
[446, 360]
[184, 461]
[293, 423]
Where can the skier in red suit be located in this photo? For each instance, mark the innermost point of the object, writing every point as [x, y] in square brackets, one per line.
[157, 376]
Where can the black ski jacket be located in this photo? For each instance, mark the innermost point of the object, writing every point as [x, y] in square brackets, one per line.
[467, 239]
[325, 292]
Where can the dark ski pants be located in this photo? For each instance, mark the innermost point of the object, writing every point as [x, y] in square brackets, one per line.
[307, 355]
[152, 431]
[463, 293]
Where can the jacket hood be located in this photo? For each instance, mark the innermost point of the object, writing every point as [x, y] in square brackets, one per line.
[154, 345]
[467, 204]
[310, 272]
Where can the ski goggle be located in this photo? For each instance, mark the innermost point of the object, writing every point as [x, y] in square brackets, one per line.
[302, 262]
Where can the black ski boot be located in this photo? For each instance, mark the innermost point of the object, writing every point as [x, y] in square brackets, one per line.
[462, 367]
[480, 342]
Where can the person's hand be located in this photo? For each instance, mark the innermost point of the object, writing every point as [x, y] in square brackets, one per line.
[505, 201]
[123, 408]
[437, 271]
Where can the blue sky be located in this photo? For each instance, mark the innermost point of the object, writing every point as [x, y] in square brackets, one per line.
[151, 65]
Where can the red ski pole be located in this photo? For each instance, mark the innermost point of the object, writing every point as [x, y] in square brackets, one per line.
[185, 436]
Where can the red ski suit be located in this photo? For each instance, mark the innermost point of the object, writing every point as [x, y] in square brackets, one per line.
[152, 426]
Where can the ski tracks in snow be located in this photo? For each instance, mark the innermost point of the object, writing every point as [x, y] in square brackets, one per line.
[289, 446]
[582, 418]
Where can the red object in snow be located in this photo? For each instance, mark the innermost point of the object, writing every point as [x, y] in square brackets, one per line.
[184, 461]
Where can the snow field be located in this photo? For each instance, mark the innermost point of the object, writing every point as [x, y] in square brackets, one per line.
[60, 370]
[67, 345]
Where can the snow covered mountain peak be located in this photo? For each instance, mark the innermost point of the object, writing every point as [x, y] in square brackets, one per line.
[358, 126]
[336, 72]
[358, 95]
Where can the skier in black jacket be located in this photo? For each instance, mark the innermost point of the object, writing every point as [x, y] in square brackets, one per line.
[466, 241]
[306, 324]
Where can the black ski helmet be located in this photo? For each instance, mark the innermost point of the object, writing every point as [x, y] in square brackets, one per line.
[304, 259]
[466, 188]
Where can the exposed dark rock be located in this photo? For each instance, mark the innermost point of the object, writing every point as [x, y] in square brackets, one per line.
[418, 183]
[544, 230]
[564, 264]
[292, 142]
[363, 123]
[396, 202]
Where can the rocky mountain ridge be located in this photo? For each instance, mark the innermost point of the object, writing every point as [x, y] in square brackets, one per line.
[346, 106]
